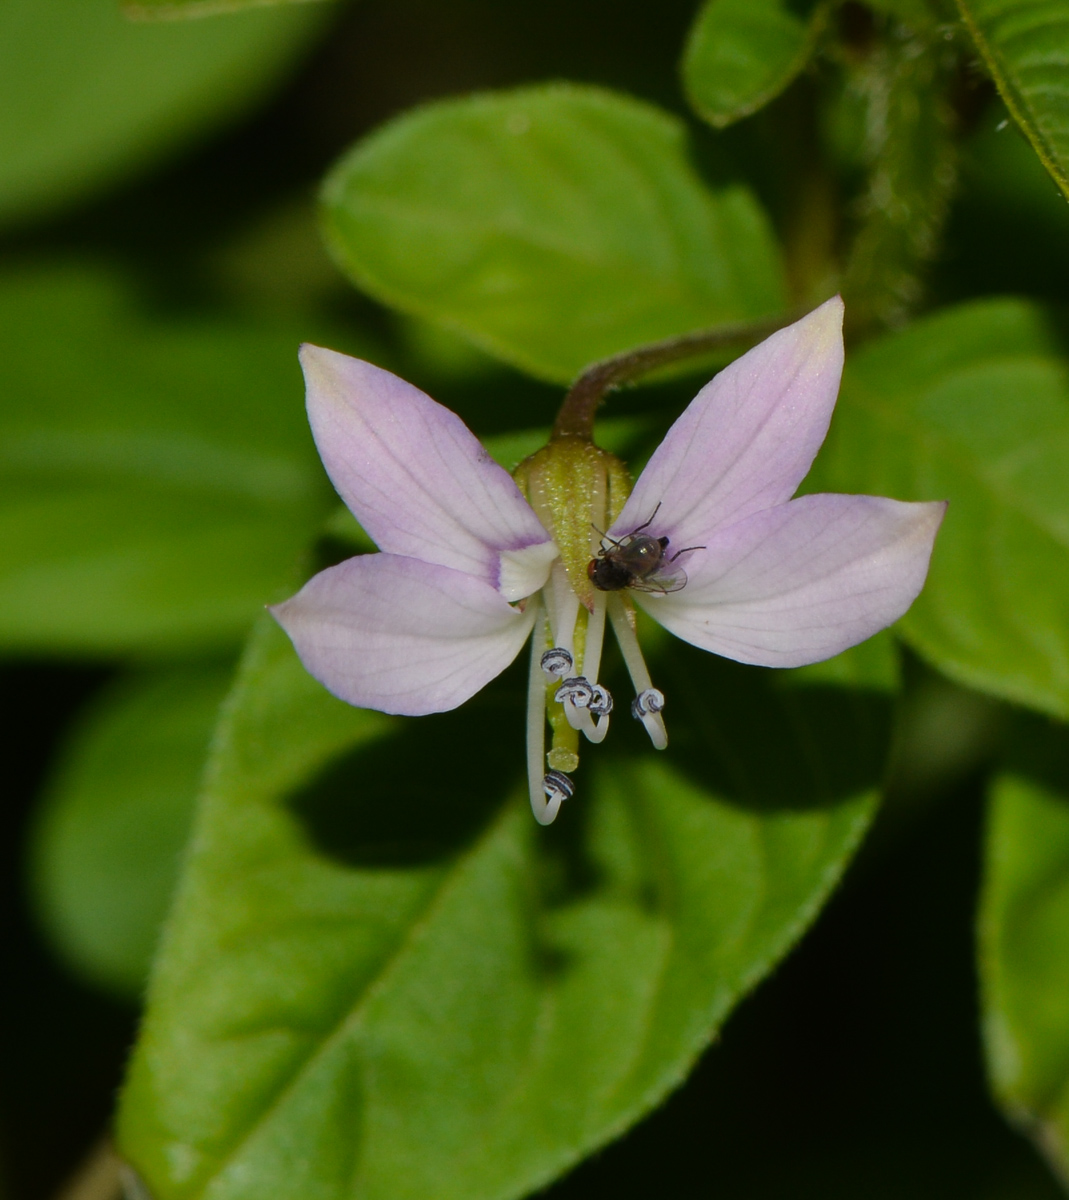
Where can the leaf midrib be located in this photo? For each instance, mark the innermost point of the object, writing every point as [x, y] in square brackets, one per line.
[356, 1012]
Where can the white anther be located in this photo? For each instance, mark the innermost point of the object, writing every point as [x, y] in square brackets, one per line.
[583, 701]
[556, 663]
[646, 707]
[578, 691]
[558, 788]
[646, 702]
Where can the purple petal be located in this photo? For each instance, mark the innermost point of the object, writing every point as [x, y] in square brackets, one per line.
[802, 581]
[400, 635]
[413, 474]
[748, 438]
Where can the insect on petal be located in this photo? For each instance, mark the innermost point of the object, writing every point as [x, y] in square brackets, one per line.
[805, 580]
[748, 438]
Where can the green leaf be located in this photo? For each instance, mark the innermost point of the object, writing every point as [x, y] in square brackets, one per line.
[172, 9]
[382, 979]
[158, 479]
[1025, 44]
[1024, 937]
[972, 405]
[740, 54]
[552, 226]
[109, 838]
[87, 96]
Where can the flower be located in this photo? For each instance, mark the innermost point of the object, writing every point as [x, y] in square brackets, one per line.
[709, 542]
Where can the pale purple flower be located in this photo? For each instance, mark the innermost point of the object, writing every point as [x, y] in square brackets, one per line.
[466, 570]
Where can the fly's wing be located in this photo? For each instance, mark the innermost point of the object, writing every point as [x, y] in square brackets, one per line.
[667, 578]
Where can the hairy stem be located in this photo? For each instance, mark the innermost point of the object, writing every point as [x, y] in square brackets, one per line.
[910, 147]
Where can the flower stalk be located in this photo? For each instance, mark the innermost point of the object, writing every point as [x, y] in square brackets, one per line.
[577, 413]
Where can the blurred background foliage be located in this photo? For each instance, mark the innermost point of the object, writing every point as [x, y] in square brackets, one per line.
[626, 172]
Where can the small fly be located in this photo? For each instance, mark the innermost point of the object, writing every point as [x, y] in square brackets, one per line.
[640, 561]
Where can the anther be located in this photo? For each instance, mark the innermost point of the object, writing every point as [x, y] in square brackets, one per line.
[556, 663]
[649, 701]
[583, 701]
[577, 689]
[557, 786]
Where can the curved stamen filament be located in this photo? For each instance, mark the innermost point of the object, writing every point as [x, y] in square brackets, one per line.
[586, 703]
[649, 715]
[582, 701]
[544, 807]
[595, 638]
[563, 606]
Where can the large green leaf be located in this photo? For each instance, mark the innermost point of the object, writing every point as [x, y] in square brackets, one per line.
[552, 226]
[383, 980]
[116, 818]
[972, 405]
[173, 9]
[157, 479]
[1025, 44]
[1024, 937]
[86, 95]
[741, 54]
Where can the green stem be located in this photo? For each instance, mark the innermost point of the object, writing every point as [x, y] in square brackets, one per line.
[910, 142]
[576, 416]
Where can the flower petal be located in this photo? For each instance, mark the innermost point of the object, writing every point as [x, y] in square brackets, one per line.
[400, 635]
[802, 581]
[523, 572]
[413, 474]
[748, 438]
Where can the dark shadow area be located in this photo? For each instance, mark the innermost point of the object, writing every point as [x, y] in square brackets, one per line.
[420, 795]
[765, 742]
[855, 1072]
[1037, 749]
[62, 1046]
[1008, 232]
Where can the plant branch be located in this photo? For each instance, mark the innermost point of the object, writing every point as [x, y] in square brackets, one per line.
[576, 416]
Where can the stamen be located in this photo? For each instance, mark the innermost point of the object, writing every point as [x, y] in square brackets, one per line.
[650, 715]
[544, 810]
[646, 707]
[595, 637]
[557, 786]
[578, 691]
[649, 701]
[557, 663]
[563, 605]
[581, 699]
